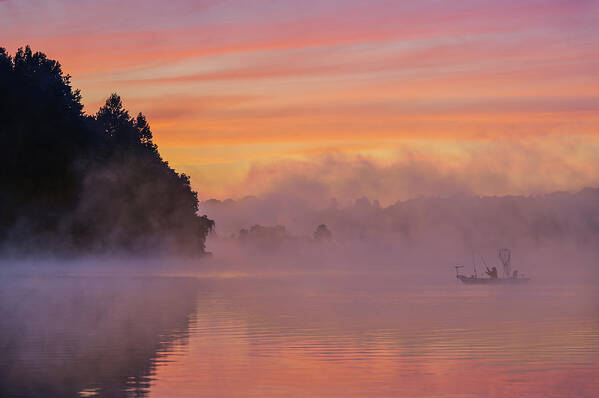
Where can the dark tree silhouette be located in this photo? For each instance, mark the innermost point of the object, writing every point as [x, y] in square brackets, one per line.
[76, 182]
[323, 234]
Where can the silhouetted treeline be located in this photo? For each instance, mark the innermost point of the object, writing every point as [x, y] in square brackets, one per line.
[75, 182]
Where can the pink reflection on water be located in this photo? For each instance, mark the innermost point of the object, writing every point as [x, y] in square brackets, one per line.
[343, 338]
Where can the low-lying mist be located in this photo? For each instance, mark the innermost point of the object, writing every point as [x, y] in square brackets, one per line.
[64, 334]
[555, 234]
[116, 328]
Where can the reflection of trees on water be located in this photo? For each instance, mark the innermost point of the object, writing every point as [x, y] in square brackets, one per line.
[104, 336]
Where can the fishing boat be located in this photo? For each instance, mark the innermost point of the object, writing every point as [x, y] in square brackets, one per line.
[474, 280]
[509, 278]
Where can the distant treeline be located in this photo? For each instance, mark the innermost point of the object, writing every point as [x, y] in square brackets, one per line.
[472, 221]
[72, 182]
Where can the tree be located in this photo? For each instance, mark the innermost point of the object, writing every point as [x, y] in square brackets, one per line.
[77, 182]
[322, 234]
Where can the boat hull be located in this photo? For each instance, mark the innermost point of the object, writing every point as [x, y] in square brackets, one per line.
[492, 281]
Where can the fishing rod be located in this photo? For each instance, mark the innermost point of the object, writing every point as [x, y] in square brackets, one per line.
[484, 262]
[474, 264]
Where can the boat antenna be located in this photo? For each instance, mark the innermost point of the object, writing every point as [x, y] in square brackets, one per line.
[474, 264]
[505, 256]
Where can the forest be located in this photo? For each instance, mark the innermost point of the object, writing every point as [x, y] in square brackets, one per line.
[78, 183]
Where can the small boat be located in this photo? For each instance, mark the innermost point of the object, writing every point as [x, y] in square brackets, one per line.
[474, 280]
[510, 278]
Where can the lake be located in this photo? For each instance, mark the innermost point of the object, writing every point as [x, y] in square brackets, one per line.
[293, 334]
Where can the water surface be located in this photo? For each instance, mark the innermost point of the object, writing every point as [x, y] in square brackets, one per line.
[316, 335]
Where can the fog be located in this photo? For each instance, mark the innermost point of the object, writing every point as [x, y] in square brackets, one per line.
[288, 322]
[297, 280]
[278, 309]
[64, 332]
[551, 236]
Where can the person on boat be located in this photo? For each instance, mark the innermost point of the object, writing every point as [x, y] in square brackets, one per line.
[492, 272]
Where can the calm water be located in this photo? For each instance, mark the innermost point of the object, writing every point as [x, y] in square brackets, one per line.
[295, 336]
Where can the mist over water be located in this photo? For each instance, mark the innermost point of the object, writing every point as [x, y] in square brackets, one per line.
[303, 320]
[63, 333]
[374, 336]
[302, 298]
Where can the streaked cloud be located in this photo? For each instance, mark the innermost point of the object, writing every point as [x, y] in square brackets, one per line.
[285, 80]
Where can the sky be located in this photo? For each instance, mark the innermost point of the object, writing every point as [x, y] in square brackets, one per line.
[491, 97]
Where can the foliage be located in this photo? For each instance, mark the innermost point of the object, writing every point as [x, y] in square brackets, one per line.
[76, 182]
[322, 233]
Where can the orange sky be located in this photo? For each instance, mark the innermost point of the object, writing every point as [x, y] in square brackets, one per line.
[231, 88]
